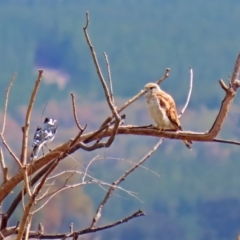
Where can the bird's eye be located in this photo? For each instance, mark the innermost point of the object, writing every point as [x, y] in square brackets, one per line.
[151, 88]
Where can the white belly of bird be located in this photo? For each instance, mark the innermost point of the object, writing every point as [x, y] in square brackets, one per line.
[158, 114]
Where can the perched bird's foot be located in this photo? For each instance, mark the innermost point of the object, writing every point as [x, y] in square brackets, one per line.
[150, 126]
[47, 147]
[171, 130]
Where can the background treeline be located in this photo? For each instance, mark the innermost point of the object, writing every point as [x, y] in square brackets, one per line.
[197, 194]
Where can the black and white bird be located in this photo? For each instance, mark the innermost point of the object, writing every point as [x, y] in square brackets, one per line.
[44, 134]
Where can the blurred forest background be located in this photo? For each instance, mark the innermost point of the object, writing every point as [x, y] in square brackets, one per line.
[197, 195]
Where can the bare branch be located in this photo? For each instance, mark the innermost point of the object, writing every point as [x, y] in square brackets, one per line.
[109, 77]
[226, 141]
[10, 151]
[87, 21]
[106, 91]
[3, 166]
[235, 74]
[46, 191]
[6, 102]
[117, 182]
[27, 120]
[99, 72]
[166, 75]
[4, 122]
[189, 93]
[86, 170]
[26, 182]
[75, 114]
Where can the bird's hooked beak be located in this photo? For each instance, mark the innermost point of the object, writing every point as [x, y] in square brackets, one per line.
[146, 89]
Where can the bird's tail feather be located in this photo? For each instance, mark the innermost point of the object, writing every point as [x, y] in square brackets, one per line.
[188, 144]
[36, 150]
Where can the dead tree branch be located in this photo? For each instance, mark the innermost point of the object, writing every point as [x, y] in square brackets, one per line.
[75, 114]
[109, 77]
[6, 102]
[28, 117]
[117, 182]
[109, 98]
[3, 166]
[189, 93]
[4, 122]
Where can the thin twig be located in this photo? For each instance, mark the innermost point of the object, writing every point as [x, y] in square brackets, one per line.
[166, 75]
[98, 69]
[46, 191]
[51, 195]
[6, 102]
[104, 85]
[64, 172]
[235, 74]
[86, 170]
[189, 93]
[118, 181]
[3, 166]
[4, 121]
[226, 141]
[109, 77]
[10, 151]
[27, 119]
[75, 114]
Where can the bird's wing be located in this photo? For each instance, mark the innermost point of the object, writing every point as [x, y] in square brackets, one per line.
[168, 103]
[49, 133]
[37, 137]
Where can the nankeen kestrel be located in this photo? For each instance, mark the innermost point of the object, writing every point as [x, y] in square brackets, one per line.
[162, 109]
